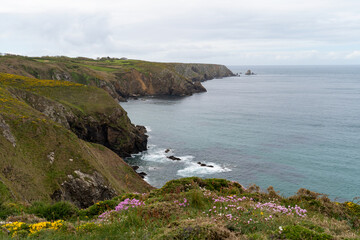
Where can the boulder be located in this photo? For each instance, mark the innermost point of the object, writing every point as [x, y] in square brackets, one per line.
[174, 158]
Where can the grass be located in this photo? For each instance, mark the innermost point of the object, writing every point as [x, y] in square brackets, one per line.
[99, 68]
[27, 172]
[121, 78]
[196, 212]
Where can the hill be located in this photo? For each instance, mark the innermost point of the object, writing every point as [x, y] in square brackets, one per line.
[121, 78]
[43, 125]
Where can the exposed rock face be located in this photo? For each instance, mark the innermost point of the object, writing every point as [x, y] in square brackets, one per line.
[165, 82]
[121, 79]
[40, 156]
[249, 72]
[6, 132]
[84, 189]
[106, 131]
[122, 138]
[202, 72]
[54, 110]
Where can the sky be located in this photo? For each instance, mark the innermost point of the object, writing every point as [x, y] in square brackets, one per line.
[231, 32]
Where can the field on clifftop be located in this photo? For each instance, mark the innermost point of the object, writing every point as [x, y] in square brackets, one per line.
[121, 78]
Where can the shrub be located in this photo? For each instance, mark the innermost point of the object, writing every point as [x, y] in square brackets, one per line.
[191, 229]
[298, 232]
[8, 209]
[99, 207]
[59, 210]
[196, 198]
[88, 227]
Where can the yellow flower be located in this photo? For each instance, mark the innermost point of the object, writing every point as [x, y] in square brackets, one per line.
[262, 213]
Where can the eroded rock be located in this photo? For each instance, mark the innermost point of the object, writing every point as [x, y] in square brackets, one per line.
[174, 158]
[84, 189]
[6, 132]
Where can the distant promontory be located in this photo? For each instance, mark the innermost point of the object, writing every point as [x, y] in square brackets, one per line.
[120, 77]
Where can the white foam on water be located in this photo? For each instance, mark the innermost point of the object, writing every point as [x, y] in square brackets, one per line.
[148, 129]
[155, 154]
[194, 169]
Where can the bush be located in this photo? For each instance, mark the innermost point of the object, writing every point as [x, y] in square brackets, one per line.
[196, 198]
[298, 232]
[59, 210]
[195, 230]
[99, 207]
[8, 209]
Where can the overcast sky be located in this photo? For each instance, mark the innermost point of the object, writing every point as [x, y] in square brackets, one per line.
[232, 32]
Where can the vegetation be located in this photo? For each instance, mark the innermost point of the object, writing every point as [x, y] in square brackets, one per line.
[190, 208]
[121, 78]
[39, 148]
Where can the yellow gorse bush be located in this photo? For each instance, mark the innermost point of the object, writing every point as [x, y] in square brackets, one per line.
[6, 78]
[36, 227]
[15, 227]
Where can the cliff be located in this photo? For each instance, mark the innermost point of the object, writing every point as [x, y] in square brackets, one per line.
[120, 78]
[42, 154]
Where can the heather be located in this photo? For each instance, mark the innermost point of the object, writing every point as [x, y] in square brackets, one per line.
[189, 208]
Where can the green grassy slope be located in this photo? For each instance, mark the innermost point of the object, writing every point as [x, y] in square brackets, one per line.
[89, 111]
[38, 154]
[120, 78]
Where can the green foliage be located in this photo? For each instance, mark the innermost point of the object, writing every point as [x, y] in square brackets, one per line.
[215, 184]
[8, 209]
[99, 207]
[59, 210]
[125, 196]
[298, 232]
[5, 194]
[88, 227]
[194, 212]
[194, 230]
[196, 198]
[312, 226]
[212, 184]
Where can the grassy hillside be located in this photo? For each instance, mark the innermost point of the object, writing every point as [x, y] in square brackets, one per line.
[190, 208]
[41, 156]
[120, 78]
[88, 111]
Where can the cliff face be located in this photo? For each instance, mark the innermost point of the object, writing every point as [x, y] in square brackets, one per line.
[202, 72]
[42, 156]
[120, 78]
[87, 111]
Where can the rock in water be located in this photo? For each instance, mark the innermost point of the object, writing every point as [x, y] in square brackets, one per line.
[142, 174]
[174, 158]
[135, 167]
[249, 72]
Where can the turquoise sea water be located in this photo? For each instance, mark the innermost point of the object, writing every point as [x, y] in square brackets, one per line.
[286, 126]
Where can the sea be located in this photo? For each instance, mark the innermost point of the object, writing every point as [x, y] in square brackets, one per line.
[289, 127]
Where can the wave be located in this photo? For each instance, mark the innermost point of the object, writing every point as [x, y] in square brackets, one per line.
[155, 154]
[194, 169]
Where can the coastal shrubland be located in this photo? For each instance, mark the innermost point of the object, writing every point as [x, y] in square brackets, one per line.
[121, 78]
[50, 136]
[193, 208]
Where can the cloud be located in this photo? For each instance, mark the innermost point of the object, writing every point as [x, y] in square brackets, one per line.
[227, 31]
[353, 55]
